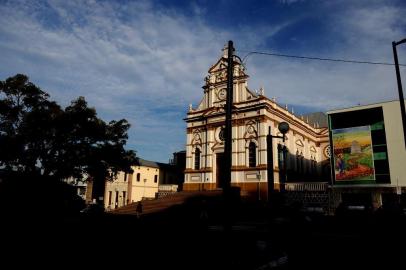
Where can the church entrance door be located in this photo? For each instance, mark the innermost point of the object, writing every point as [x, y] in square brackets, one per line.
[220, 170]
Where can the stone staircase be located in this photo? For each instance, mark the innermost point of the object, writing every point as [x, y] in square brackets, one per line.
[156, 205]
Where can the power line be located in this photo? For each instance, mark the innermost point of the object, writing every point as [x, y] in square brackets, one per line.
[317, 58]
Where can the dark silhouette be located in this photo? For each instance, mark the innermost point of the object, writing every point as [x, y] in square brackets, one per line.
[32, 195]
[40, 138]
[139, 209]
[204, 214]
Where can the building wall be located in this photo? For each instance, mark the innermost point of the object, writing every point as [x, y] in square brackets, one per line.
[175, 173]
[376, 193]
[394, 138]
[146, 185]
[169, 176]
[89, 191]
[128, 188]
[395, 142]
[116, 192]
[253, 115]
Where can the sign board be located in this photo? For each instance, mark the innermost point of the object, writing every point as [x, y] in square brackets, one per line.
[353, 154]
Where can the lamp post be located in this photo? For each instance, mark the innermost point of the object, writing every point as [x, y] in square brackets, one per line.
[401, 99]
[283, 128]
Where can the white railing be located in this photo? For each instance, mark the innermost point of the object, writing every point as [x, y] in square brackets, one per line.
[169, 188]
[311, 186]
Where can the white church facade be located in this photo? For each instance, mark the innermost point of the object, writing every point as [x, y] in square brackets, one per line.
[253, 115]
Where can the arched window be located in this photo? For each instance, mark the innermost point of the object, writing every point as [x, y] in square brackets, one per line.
[138, 177]
[197, 159]
[252, 154]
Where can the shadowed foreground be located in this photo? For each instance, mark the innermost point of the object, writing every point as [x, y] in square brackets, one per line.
[205, 233]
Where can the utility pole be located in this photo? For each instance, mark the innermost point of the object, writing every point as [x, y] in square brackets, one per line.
[228, 130]
[270, 172]
[401, 98]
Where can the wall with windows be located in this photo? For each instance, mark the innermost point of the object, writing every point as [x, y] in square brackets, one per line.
[132, 187]
[116, 192]
[145, 182]
[253, 116]
[305, 151]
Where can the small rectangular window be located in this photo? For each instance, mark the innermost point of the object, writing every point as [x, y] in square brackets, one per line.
[197, 159]
[252, 157]
[116, 199]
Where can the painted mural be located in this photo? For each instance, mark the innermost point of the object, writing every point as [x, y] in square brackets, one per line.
[353, 154]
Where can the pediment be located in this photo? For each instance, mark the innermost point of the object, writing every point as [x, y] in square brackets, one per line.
[220, 65]
[217, 146]
[250, 122]
[213, 110]
[324, 131]
[196, 137]
[201, 105]
[250, 94]
[299, 143]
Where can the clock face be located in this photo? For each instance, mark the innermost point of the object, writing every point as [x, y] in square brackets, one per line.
[222, 94]
[327, 151]
[251, 129]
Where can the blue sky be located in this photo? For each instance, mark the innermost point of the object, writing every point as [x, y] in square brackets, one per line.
[146, 60]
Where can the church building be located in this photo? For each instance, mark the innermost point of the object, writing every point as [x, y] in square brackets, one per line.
[253, 116]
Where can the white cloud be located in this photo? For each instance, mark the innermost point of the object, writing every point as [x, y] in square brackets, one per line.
[137, 62]
[363, 33]
[125, 67]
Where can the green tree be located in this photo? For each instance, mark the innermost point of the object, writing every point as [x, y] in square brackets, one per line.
[38, 137]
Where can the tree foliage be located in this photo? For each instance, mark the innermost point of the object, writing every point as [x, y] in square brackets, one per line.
[38, 136]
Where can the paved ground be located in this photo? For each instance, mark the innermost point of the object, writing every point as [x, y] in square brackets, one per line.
[207, 235]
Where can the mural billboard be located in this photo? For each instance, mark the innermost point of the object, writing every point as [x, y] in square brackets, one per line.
[353, 154]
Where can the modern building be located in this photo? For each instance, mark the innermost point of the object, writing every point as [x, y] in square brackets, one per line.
[368, 154]
[253, 116]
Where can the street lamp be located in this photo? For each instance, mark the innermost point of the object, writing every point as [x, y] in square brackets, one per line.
[401, 99]
[283, 128]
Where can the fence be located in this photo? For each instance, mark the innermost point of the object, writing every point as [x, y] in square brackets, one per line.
[308, 186]
[167, 188]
